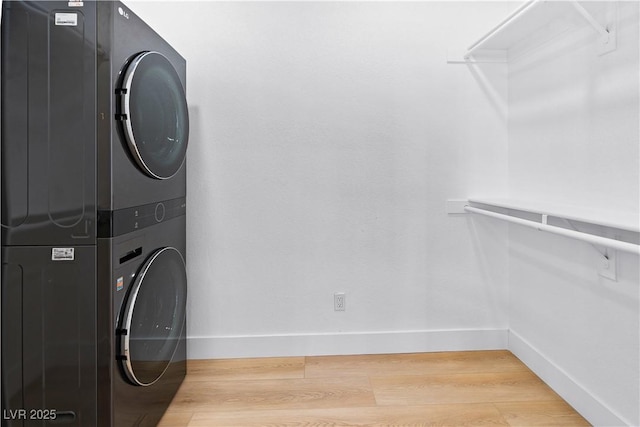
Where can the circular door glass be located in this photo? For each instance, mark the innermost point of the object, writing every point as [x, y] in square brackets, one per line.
[155, 117]
[154, 316]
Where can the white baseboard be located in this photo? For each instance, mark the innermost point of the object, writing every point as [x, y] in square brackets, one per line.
[223, 347]
[589, 406]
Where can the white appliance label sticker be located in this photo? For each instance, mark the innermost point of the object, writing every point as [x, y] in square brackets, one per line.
[67, 19]
[62, 254]
[76, 4]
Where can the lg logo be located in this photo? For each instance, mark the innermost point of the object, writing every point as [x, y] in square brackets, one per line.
[122, 12]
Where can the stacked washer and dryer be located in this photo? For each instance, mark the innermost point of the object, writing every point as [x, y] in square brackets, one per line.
[94, 137]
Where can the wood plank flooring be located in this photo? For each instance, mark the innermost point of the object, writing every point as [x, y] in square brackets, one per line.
[476, 388]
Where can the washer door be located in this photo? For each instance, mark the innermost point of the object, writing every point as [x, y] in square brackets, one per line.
[154, 317]
[155, 119]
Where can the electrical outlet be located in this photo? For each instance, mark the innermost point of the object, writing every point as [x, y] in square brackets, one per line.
[339, 301]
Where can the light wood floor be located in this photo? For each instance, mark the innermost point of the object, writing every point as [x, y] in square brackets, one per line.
[479, 388]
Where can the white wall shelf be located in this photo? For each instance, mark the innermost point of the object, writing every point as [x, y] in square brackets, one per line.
[536, 14]
[626, 221]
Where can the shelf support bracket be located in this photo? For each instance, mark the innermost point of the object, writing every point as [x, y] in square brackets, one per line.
[608, 267]
[603, 31]
[608, 261]
[571, 225]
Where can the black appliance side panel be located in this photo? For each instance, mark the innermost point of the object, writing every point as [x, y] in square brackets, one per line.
[49, 335]
[12, 277]
[48, 123]
[105, 99]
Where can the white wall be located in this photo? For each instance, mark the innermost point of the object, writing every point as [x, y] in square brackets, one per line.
[326, 138]
[574, 138]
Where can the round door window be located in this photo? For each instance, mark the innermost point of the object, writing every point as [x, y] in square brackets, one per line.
[154, 115]
[154, 317]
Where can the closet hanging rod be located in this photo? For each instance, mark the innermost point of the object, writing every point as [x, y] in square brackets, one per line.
[597, 240]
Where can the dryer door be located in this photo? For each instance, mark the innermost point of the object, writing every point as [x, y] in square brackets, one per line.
[154, 317]
[155, 119]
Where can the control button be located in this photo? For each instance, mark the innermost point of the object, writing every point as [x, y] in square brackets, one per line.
[159, 212]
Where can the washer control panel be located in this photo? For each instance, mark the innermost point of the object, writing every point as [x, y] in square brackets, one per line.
[122, 221]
